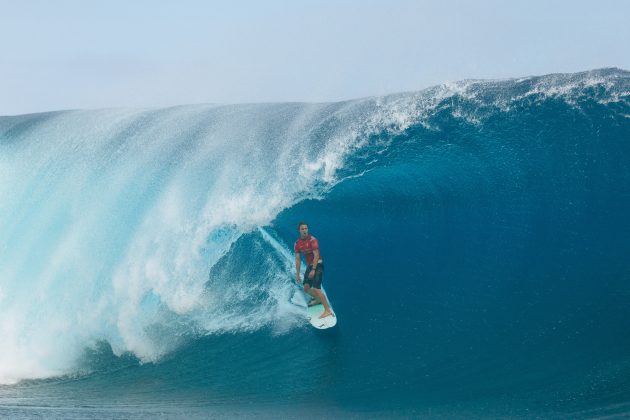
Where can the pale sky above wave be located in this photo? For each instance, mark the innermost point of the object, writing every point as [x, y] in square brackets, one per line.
[87, 54]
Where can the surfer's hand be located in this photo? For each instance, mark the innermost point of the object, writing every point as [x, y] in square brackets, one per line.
[311, 274]
[297, 279]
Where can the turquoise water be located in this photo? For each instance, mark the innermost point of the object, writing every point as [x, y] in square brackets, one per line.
[475, 237]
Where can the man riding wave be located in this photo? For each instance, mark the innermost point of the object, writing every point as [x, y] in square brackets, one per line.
[308, 246]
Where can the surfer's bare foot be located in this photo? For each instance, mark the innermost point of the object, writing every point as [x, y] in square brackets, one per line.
[325, 314]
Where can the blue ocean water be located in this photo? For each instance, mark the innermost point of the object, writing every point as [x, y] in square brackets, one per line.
[475, 237]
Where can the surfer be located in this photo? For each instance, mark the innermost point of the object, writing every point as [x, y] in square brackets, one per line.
[307, 245]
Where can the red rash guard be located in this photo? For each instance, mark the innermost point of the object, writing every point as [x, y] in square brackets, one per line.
[306, 248]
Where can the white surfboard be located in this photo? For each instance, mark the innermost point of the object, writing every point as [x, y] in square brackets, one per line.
[313, 313]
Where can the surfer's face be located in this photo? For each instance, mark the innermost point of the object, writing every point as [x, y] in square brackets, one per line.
[303, 231]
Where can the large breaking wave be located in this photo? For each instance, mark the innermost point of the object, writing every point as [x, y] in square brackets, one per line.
[479, 203]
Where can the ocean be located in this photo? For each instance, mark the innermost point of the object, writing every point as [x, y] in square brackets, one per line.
[475, 237]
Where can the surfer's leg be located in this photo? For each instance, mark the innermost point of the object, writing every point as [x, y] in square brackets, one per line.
[310, 291]
[317, 286]
[308, 287]
[322, 297]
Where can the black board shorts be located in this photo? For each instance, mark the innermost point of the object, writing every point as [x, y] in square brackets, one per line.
[316, 281]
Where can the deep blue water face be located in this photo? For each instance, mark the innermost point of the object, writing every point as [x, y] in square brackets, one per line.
[493, 266]
[475, 245]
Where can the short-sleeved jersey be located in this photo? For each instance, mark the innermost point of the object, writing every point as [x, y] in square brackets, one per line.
[306, 248]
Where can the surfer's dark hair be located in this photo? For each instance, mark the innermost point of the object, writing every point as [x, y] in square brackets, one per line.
[302, 223]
